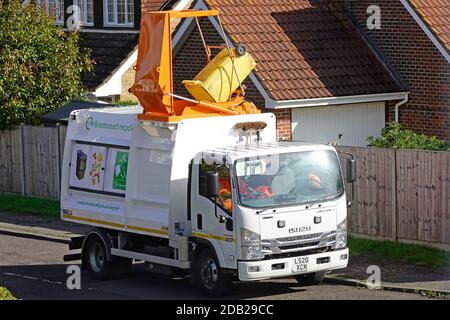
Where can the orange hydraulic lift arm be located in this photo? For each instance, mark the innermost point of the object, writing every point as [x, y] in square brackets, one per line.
[154, 73]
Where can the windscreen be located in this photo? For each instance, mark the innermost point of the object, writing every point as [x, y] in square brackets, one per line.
[289, 179]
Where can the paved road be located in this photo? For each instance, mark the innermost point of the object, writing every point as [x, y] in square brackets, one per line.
[33, 269]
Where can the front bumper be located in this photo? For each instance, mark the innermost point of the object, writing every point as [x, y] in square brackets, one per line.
[337, 260]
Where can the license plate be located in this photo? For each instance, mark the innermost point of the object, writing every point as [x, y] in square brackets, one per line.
[300, 264]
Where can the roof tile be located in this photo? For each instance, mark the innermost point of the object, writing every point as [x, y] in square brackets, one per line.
[436, 13]
[305, 48]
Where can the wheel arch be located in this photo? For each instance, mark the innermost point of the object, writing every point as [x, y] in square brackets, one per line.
[104, 237]
[205, 244]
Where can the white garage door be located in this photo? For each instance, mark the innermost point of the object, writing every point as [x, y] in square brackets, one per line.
[345, 124]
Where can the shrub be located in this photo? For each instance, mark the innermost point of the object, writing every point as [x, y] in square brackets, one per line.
[394, 136]
[40, 64]
[5, 294]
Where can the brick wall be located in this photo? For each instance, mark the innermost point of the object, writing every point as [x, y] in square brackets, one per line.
[418, 62]
[190, 59]
[128, 79]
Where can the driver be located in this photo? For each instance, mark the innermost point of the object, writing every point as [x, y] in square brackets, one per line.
[314, 181]
[284, 181]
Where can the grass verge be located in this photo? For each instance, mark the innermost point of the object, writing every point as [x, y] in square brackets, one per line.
[5, 294]
[36, 206]
[410, 253]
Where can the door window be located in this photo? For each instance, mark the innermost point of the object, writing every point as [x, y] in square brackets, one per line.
[224, 199]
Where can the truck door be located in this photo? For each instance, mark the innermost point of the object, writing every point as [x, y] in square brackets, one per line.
[205, 224]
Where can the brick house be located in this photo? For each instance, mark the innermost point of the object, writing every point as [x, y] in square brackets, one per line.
[326, 76]
[110, 29]
[315, 70]
[414, 39]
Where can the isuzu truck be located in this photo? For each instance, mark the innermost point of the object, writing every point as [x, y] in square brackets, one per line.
[199, 185]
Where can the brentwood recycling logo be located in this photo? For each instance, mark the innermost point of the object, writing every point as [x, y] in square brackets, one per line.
[89, 123]
[92, 123]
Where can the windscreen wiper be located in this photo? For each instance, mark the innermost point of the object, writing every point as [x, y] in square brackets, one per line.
[281, 197]
[327, 197]
[267, 209]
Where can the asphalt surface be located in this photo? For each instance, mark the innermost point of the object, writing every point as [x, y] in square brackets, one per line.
[34, 269]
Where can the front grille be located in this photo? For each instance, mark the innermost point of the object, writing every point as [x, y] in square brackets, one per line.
[298, 243]
[298, 246]
[297, 238]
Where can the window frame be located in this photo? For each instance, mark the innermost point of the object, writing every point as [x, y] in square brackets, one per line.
[84, 22]
[201, 185]
[47, 10]
[238, 196]
[115, 24]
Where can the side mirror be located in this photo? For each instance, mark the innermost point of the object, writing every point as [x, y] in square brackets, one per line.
[211, 184]
[351, 170]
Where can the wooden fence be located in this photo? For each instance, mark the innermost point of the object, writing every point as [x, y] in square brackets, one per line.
[400, 195]
[30, 160]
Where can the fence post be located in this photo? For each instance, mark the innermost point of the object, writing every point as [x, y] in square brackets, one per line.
[395, 196]
[59, 159]
[22, 167]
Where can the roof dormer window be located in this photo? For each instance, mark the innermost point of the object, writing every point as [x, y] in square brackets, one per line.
[119, 13]
[53, 8]
[85, 12]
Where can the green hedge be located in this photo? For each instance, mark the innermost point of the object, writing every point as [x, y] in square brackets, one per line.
[5, 294]
[40, 64]
[394, 136]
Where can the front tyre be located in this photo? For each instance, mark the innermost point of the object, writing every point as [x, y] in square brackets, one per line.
[210, 278]
[310, 279]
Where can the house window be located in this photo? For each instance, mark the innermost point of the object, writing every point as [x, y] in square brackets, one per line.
[53, 8]
[86, 11]
[119, 12]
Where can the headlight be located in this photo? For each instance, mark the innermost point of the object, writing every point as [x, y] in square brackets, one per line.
[250, 238]
[252, 253]
[341, 235]
[251, 245]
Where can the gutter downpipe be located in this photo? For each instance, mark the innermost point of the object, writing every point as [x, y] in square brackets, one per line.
[397, 106]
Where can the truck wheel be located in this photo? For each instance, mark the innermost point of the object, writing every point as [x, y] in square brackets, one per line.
[209, 276]
[311, 278]
[97, 261]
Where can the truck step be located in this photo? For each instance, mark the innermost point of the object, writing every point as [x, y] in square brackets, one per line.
[150, 258]
[72, 257]
[76, 243]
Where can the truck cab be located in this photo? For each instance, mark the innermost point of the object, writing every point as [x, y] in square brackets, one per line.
[271, 209]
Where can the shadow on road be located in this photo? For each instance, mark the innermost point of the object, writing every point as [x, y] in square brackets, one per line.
[49, 282]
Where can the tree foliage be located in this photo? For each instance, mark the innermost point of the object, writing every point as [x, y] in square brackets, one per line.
[394, 136]
[40, 64]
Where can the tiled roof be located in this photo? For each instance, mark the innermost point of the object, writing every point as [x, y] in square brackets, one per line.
[305, 48]
[436, 14]
[151, 5]
[108, 50]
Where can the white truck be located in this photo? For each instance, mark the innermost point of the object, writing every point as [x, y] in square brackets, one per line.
[216, 197]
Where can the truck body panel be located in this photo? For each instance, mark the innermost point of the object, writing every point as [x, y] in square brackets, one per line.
[151, 197]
